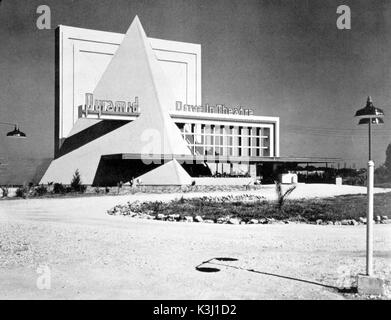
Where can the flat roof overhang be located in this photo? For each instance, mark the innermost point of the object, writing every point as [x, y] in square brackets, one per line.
[223, 117]
[217, 159]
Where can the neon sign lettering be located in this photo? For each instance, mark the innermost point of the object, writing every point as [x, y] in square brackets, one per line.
[220, 109]
[109, 107]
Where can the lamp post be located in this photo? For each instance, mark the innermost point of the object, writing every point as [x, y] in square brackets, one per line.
[16, 133]
[370, 115]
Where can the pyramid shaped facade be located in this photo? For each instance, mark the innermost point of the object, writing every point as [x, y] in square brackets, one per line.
[134, 71]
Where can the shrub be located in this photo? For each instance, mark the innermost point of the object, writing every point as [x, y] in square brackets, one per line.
[76, 184]
[40, 190]
[360, 180]
[21, 192]
[4, 191]
[281, 196]
[305, 210]
[382, 175]
[58, 188]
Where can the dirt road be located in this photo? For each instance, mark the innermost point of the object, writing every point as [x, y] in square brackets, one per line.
[91, 255]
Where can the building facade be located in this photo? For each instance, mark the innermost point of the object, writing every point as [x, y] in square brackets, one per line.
[129, 107]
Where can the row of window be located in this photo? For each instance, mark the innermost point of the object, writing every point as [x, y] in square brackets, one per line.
[229, 151]
[226, 140]
[222, 129]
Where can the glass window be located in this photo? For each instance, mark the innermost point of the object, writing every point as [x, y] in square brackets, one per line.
[244, 131]
[235, 130]
[199, 150]
[217, 140]
[259, 132]
[180, 126]
[246, 152]
[230, 141]
[266, 142]
[197, 131]
[208, 151]
[235, 152]
[208, 139]
[245, 141]
[266, 132]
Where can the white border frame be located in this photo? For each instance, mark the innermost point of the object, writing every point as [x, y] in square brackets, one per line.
[71, 39]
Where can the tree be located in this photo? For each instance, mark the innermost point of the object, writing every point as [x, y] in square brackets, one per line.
[387, 163]
[76, 184]
[383, 173]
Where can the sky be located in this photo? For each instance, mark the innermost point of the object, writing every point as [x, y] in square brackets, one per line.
[281, 58]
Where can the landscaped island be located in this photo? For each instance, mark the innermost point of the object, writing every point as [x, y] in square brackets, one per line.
[247, 208]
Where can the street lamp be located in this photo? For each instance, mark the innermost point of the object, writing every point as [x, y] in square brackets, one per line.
[370, 115]
[16, 133]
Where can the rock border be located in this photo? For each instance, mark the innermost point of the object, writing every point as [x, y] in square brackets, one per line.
[124, 210]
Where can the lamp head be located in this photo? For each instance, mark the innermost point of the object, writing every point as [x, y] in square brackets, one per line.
[373, 121]
[369, 111]
[16, 133]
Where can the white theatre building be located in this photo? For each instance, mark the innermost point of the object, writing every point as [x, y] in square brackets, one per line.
[129, 107]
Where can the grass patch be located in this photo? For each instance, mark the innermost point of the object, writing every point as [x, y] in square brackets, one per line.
[329, 209]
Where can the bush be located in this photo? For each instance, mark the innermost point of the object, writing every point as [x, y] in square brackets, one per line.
[76, 184]
[281, 195]
[58, 188]
[382, 175]
[40, 190]
[4, 192]
[21, 192]
[305, 210]
[360, 180]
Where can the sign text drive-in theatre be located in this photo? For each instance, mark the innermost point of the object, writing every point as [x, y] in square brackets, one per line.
[220, 108]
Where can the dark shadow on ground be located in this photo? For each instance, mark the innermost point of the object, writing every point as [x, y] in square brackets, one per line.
[201, 268]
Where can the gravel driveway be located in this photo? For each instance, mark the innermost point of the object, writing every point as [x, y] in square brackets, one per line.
[91, 255]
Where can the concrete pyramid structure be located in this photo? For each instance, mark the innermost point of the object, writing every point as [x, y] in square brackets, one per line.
[171, 173]
[134, 71]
